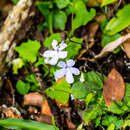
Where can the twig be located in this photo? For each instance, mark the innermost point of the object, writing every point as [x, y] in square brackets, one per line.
[111, 46]
[82, 52]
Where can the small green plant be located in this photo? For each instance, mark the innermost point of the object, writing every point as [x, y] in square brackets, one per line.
[58, 63]
[120, 22]
[19, 124]
[15, 1]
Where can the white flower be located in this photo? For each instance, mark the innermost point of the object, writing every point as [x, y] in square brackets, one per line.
[52, 56]
[67, 70]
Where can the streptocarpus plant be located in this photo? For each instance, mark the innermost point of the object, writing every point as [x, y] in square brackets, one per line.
[52, 57]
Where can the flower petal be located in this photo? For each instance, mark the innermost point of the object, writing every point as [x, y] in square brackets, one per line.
[53, 60]
[54, 44]
[49, 53]
[46, 60]
[69, 77]
[62, 54]
[61, 64]
[60, 73]
[62, 41]
[70, 63]
[62, 46]
[74, 71]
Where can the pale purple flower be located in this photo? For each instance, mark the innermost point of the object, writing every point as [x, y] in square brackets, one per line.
[67, 70]
[52, 56]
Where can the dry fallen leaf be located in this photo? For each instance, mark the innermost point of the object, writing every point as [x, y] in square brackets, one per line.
[92, 30]
[43, 119]
[70, 125]
[9, 112]
[37, 99]
[32, 109]
[34, 98]
[114, 88]
[60, 104]
[111, 46]
[59, 80]
[126, 47]
[99, 18]
[94, 3]
[45, 109]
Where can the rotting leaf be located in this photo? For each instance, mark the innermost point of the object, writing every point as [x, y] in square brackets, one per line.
[45, 109]
[114, 88]
[112, 45]
[34, 98]
[126, 47]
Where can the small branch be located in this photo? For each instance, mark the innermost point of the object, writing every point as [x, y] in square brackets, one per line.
[12, 25]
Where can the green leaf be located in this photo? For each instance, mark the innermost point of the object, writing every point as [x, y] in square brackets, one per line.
[17, 64]
[54, 36]
[111, 127]
[15, 1]
[44, 7]
[126, 123]
[59, 91]
[60, 20]
[95, 111]
[62, 3]
[107, 39]
[109, 119]
[22, 87]
[40, 61]
[79, 90]
[97, 121]
[122, 21]
[87, 89]
[114, 108]
[119, 124]
[24, 124]
[74, 46]
[127, 94]
[106, 2]
[54, 124]
[28, 50]
[82, 16]
[73, 50]
[32, 79]
[103, 24]
[89, 98]
[42, 26]
[94, 78]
